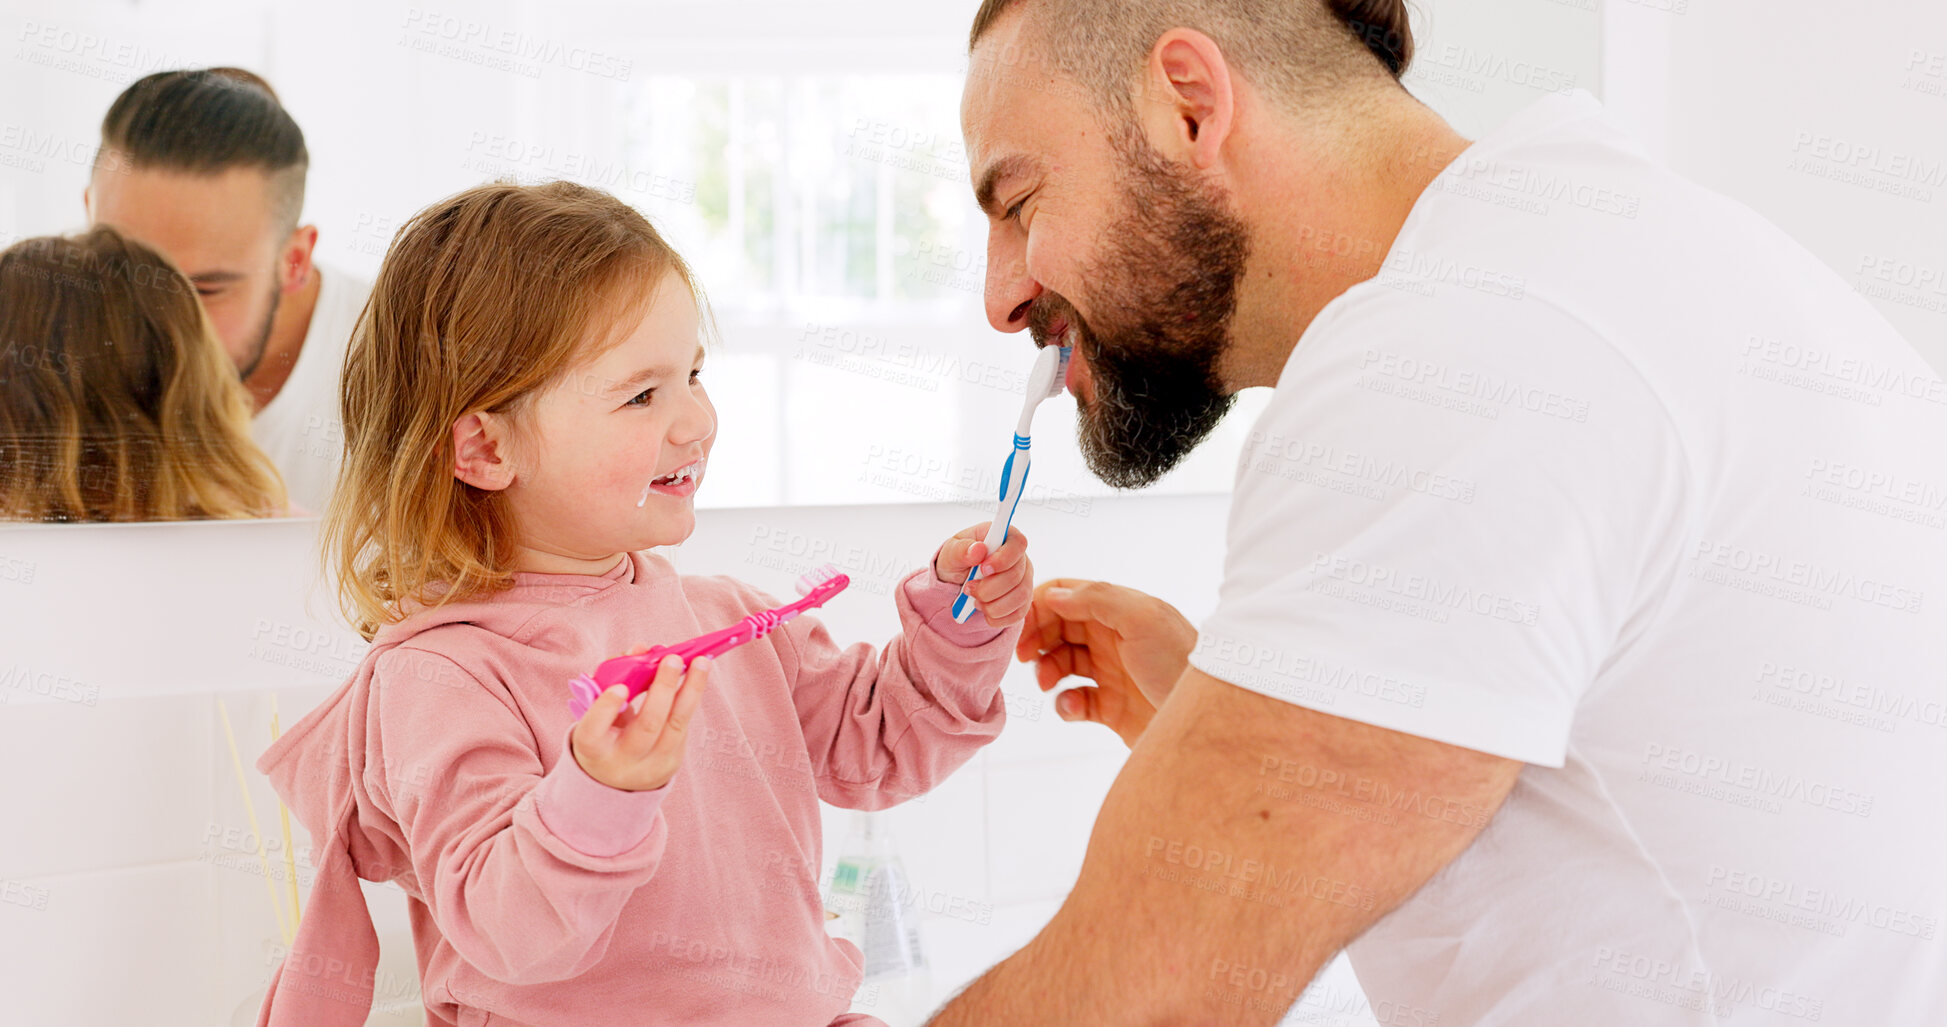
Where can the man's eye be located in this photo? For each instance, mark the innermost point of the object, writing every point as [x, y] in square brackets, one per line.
[1014, 212]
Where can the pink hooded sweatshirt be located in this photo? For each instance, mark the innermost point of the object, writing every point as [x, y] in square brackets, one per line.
[539, 895]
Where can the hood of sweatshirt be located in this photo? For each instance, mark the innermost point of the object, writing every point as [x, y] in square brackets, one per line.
[320, 769]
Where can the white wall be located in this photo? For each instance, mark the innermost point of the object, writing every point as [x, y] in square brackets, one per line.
[1831, 120]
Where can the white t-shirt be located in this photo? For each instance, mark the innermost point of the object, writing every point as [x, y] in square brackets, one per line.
[1606, 474]
[300, 428]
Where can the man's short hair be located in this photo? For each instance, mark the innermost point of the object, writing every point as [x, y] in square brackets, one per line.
[1298, 51]
[207, 122]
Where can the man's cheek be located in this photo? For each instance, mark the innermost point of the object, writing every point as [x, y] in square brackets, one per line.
[228, 329]
[1053, 259]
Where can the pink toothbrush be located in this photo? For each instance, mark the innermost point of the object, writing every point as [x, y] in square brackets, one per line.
[636, 671]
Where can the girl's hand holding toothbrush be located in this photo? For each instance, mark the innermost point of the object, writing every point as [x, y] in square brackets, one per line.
[1006, 582]
[637, 746]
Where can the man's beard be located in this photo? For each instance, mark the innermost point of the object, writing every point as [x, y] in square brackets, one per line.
[263, 335]
[1164, 292]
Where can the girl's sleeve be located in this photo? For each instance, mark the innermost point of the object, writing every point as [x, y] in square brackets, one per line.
[884, 727]
[525, 869]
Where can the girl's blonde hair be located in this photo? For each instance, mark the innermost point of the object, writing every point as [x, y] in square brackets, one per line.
[483, 301]
[117, 402]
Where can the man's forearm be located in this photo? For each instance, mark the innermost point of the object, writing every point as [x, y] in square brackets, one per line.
[1175, 889]
[1059, 979]
[1196, 870]
[1003, 995]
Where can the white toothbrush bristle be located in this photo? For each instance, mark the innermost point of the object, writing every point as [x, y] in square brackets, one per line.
[1061, 371]
[814, 578]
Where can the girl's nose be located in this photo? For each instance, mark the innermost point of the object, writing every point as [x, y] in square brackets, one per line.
[697, 423]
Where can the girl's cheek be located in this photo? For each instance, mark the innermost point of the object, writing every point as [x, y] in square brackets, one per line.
[628, 477]
[632, 466]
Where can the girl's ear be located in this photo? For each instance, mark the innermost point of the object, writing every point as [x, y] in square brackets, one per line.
[480, 456]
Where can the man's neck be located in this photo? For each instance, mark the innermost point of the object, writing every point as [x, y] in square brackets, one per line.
[1324, 224]
[288, 329]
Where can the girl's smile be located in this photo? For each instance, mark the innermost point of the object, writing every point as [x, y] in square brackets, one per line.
[681, 483]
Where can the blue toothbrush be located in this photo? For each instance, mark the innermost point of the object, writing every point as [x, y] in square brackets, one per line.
[1050, 371]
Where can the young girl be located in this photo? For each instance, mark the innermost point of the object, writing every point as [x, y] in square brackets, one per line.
[524, 419]
[117, 402]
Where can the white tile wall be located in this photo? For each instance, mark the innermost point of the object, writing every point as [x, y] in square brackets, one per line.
[121, 946]
[115, 784]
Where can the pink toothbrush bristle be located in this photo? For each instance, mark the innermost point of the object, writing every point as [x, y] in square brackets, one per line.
[583, 692]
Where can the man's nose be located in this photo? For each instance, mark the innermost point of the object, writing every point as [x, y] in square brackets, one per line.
[1010, 289]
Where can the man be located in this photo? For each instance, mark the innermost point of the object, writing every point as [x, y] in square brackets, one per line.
[1578, 655]
[208, 167]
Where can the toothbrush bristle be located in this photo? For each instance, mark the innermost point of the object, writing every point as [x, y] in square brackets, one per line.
[814, 578]
[1061, 371]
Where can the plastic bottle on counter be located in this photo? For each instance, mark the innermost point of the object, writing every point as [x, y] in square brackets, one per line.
[873, 897]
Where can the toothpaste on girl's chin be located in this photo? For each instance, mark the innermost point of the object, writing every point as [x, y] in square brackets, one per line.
[645, 493]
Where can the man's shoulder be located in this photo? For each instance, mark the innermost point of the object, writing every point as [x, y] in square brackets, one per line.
[341, 298]
[1439, 318]
[341, 295]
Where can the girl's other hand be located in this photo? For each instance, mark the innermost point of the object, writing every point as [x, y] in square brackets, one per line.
[637, 746]
[1006, 582]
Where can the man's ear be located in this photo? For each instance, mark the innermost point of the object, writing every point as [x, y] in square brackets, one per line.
[480, 452]
[1195, 97]
[294, 258]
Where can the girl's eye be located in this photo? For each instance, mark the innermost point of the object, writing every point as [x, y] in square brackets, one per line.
[642, 398]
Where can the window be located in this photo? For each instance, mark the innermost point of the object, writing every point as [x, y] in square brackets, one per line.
[832, 222]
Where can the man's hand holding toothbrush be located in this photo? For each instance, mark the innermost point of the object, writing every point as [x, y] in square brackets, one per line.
[1006, 583]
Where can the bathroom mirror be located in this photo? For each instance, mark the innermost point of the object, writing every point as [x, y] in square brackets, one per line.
[814, 176]
[815, 179]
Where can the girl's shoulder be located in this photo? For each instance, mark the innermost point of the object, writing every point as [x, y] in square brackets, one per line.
[722, 592]
[451, 654]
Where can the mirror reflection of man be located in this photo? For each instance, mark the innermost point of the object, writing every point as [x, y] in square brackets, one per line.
[209, 168]
[1578, 654]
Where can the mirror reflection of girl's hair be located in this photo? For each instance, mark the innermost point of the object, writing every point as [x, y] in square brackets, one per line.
[117, 402]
